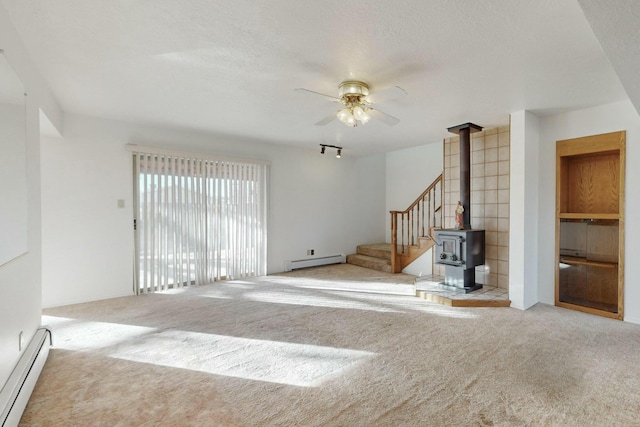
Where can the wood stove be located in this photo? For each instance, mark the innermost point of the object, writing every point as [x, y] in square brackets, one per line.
[461, 250]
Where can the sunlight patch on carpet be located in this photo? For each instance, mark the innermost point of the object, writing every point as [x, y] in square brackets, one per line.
[280, 297]
[382, 303]
[302, 365]
[252, 359]
[74, 334]
[369, 285]
[404, 304]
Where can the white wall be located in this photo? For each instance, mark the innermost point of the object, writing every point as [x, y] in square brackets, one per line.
[409, 172]
[20, 286]
[317, 202]
[592, 121]
[13, 177]
[87, 242]
[20, 291]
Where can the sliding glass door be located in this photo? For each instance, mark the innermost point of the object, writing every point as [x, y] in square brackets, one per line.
[198, 220]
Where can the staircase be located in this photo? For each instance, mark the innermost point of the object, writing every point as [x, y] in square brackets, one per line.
[378, 256]
[375, 257]
[410, 234]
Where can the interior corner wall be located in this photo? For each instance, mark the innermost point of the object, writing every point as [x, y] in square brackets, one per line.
[371, 180]
[590, 121]
[20, 285]
[523, 226]
[20, 278]
[316, 202]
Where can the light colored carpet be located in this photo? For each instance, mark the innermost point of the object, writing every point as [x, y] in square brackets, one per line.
[274, 351]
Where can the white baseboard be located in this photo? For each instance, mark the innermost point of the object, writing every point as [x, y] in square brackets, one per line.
[17, 390]
[314, 262]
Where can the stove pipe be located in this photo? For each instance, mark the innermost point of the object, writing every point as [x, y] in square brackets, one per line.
[464, 131]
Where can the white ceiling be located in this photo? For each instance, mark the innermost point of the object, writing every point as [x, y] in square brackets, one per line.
[11, 88]
[231, 67]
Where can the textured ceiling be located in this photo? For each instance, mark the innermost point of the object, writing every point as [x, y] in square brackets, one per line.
[231, 67]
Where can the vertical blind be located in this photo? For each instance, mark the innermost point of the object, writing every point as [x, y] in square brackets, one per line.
[198, 220]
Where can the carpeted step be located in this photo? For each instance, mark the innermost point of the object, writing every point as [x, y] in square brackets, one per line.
[370, 262]
[378, 250]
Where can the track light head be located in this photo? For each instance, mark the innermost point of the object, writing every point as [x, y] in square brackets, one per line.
[323, 148]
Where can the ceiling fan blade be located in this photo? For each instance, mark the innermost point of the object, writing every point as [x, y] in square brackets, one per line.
[385, 118]
[327, 120]
[388, 94]
[300, 89]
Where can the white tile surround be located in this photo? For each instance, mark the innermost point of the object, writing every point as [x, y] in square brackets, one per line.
[432, 285]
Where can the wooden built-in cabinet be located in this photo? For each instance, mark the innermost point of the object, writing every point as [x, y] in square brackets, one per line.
[590, 224]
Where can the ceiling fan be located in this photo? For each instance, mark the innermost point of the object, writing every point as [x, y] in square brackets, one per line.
[356, 107]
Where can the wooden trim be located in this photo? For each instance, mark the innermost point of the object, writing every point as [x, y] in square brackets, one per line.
[621, 200]
[394, 240]
[438, 299]
[590, 310]
[557, 236]
[591, 144]
[480, 303]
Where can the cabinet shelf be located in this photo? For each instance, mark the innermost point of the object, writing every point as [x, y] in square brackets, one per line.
[583, 261]
[585, 215]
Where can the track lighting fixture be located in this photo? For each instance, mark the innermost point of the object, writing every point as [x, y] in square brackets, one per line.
[324, 146]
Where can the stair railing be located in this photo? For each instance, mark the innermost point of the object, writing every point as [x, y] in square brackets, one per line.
[417, 220]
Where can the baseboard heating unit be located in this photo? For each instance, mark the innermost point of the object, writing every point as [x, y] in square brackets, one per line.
[314, 262]
[15, 393]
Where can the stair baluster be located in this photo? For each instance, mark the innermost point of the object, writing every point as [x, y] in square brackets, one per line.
[419, 222]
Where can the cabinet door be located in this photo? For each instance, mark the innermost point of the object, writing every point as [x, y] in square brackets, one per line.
[602, 241]
[589, 286]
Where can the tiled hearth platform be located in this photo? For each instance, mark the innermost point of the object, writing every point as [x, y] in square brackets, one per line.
[428, 288]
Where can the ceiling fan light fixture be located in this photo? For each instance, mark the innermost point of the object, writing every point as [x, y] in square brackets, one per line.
[344, 114]
[356, 107]
[353, 87]
[351, 121]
